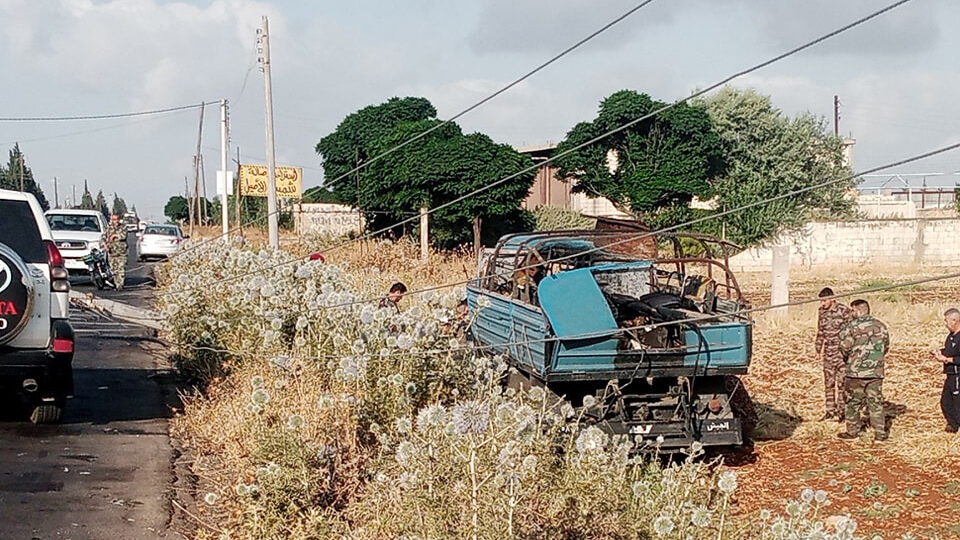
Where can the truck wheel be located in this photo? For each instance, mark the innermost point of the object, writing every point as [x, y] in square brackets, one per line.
[742, 406]
[47, 413]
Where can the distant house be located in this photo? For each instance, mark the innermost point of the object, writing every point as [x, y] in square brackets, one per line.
[548, 189]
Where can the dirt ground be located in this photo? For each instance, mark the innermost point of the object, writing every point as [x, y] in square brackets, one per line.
[909, 484]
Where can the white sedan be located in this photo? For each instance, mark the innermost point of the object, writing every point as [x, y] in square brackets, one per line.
[159, 241]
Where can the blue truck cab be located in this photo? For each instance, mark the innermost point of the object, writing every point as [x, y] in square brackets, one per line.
[657, 341]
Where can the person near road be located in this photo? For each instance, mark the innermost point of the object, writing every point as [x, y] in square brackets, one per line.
[116, 242]
[393, 297]
[950, 356]
[832, 316]
[864, 344]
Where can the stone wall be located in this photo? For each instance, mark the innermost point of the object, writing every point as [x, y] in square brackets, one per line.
[894, 242]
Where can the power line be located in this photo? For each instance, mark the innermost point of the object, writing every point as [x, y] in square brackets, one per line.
[103, 116]
[82, 132]
[631, 237]
[468, 109]
[622, 127]
[611, 333]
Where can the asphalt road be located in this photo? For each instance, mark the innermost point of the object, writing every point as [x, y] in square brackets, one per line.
[106, 471]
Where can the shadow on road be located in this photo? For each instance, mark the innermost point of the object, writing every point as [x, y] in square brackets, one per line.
[106, 396]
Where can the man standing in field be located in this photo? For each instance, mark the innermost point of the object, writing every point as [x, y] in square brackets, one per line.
[950, 356]
[864, 344]
[832, 316]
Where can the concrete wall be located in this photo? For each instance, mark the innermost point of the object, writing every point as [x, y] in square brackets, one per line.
[934, 242]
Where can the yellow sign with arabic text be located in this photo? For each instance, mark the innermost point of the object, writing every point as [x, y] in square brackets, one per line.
[253, 181]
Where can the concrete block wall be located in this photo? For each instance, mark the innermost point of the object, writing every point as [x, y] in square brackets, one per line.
[934, 242]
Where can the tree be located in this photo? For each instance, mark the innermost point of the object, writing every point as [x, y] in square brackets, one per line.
[86, 201]
[101, 205]
[17, 173]
[176, 209]
[134, 210]
[119, 206]
[653, 166]
[769, 154]
[431, 171]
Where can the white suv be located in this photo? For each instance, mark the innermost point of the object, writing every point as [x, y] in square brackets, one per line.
[76, 233]
[36, 339]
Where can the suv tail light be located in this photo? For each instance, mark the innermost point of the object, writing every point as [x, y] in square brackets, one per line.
[59, 277]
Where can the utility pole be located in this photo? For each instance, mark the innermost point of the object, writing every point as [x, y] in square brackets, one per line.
[203, 182]
[74, 194]
[196, 168]
[223, 176]
[424, 233]
[186, 192]
[836, 116]
[56, 194]
[272, 228]
[237, 199]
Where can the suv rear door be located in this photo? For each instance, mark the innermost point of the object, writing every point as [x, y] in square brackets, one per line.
[20, 229]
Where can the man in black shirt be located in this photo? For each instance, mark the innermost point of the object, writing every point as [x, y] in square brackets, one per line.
[950, 356]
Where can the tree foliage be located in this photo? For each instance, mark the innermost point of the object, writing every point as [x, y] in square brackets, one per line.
[434, 170]
[769, 154]
[177, 209]
[657, 164]
[100, 204]
[86, 200]
[119, 206]
[10, 176]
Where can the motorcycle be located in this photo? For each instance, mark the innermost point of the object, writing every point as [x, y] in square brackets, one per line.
[100, 271]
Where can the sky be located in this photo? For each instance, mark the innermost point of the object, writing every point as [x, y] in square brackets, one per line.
[896, 77]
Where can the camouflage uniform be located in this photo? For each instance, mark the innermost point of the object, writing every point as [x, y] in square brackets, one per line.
[829, 323]
[116, 245]
[864, 342]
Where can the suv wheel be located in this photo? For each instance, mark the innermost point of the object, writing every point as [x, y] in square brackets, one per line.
[47, 413]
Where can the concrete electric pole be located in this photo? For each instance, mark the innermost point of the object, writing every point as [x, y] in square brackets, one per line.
[223, 177]
[56, 194]
[272, 227]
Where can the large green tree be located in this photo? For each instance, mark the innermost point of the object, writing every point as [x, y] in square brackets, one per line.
[769, 154]
[18, 173]
[433, 170]
[653, 166]
[176, 209]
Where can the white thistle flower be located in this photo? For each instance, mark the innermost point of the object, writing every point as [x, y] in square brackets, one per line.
[727, 482]
[589, 401]
[663, 525]
[701, 517]
[210, 498]
[807, 495]
[295, 422]
[260, 396]
[256, 382]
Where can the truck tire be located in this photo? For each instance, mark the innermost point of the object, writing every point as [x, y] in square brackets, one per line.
[16, 294]
[46, 413]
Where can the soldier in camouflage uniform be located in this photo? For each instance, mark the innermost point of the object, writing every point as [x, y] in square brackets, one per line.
[864, 344]
[116, 243]
[831, 318]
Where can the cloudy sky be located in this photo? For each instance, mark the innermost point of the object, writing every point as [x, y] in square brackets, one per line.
[897, 77]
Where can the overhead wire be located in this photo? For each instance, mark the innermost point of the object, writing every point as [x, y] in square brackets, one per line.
[740, 313]
[463, 112]
[103, 116]
[613, 131]
[625, 237]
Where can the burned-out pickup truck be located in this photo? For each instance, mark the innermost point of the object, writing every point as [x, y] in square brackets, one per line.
[657, 342]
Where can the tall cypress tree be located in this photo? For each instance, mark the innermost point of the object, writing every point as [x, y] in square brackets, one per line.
[17, 174]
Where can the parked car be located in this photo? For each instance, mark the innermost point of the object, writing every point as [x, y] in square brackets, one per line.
[131, 222]
[36, 339]
[76, 232]
[159, 241]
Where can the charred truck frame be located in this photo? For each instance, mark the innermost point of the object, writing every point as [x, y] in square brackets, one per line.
[598, 313]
